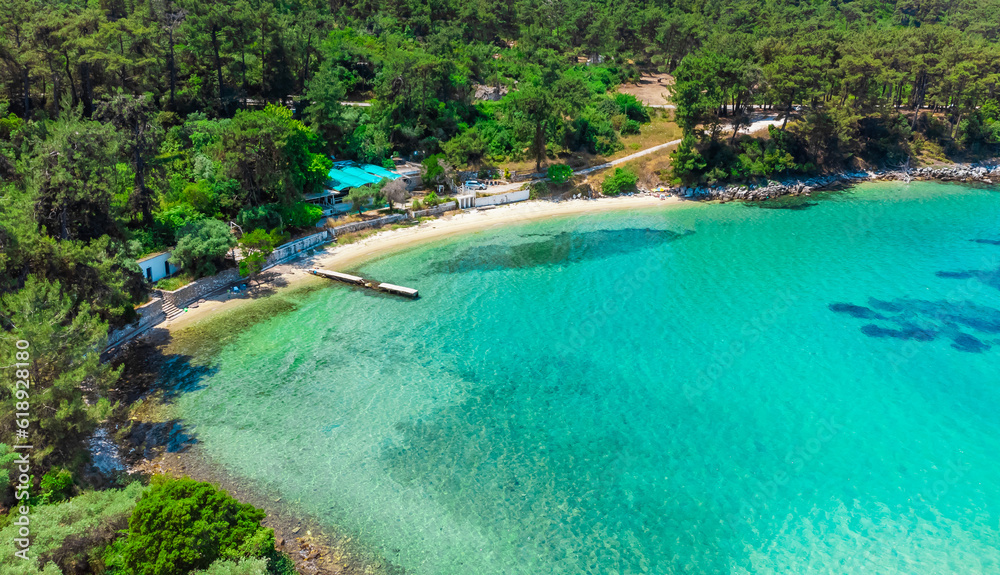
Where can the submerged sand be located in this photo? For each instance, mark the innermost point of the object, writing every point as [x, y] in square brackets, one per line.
[342, 257]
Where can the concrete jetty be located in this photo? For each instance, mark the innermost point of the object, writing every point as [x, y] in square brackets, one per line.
[360, 281]
[346, 278]
[399, 290]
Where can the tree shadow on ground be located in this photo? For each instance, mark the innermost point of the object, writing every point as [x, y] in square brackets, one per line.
[266, 283]
[152, 375]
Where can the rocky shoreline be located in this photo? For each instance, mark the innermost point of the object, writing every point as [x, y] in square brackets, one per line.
[970, 173]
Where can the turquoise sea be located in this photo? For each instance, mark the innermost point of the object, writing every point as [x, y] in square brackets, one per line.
[809, 385]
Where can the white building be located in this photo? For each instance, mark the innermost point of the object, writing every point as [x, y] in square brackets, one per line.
[156, 267]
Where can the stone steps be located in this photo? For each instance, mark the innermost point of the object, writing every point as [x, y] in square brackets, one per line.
[171, 310]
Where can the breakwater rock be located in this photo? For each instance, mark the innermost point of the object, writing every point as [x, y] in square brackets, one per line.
[982, 173]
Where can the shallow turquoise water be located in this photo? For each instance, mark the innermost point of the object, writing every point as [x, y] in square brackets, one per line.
[796, 387]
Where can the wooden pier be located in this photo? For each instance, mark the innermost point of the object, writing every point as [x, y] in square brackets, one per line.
[360, 281]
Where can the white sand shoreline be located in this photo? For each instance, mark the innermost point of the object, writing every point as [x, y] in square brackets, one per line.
[338, 258]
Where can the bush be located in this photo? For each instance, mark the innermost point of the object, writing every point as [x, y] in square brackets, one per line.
[57, 485]
[181, 525]
[7, 459]
[687, 162]
[593, 132]
[632, 107]
[71, 537]
[256, 247]
[431, 170]
[227, 567]
[538, 190]
[432, 199]
[300, 215]
[202, 196]
[560, 173]
[630, 127]
[465, 147]
[621, 181]
[202, 246]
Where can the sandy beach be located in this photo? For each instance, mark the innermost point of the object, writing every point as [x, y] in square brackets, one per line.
[339, 258]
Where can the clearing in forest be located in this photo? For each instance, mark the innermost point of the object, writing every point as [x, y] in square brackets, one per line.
[651, 89]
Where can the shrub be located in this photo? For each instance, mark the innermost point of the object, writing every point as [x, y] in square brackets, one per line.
[632, 107]
[630, 127]
[57, 485]
[71, 537]
[432, 199]
[202, 246]
[593, 132]
[622, 180]
[465, 147]
[227, 567]
[181, 525]
[7, 459]
[300, 215]
[560, 173]
[202, 195]
[431, 170]
[687, 162]
[538, 190]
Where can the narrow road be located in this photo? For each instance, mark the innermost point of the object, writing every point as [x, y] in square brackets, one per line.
[760, 124]
[754, 126]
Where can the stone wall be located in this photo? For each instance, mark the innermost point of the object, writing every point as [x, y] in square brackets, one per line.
[196, 290]
[292, 249]
[376, 223]
[507, 198]
[149, 315]
[435, 211]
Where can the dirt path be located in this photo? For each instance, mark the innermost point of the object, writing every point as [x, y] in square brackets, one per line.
[759, 124]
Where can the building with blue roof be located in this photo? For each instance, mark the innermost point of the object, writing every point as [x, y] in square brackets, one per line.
[341, 178]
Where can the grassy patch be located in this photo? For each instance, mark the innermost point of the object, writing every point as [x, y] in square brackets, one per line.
[352, 237]
[174, 282]
[660, 130]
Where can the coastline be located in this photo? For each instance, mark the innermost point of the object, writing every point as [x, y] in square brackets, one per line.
[313, 549]
[383, 242]
[344, 257]
[982, 173]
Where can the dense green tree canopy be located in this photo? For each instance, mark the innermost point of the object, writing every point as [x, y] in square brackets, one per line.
[181, 525]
